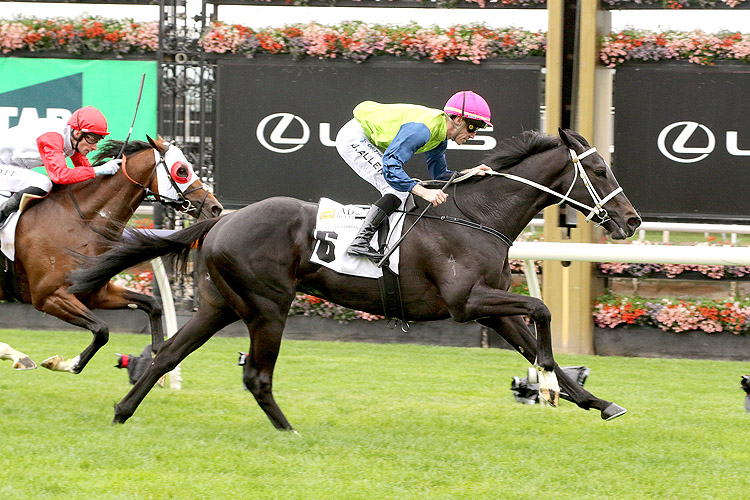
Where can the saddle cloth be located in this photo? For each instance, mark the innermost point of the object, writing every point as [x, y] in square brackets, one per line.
[336, 227]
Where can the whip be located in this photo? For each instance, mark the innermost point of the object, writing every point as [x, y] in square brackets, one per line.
[138, 103]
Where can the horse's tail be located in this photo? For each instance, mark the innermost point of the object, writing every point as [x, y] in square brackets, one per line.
[136, 247]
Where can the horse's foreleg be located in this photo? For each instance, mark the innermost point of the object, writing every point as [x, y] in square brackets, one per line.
[68, 308]
[20, 360]
[484, 302]
[117, 297]
[518, 335]
[198, 329]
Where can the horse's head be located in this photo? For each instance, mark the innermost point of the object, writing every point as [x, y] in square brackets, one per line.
[176, 183]
[594, 184]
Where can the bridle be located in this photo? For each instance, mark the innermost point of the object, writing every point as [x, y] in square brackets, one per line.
[597, 210]
[180, 203]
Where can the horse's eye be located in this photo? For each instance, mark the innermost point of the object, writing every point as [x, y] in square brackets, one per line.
[600, 172]
[180, 172]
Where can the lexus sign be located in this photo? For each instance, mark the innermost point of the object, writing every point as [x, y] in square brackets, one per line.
[682, 141]
[278, 119]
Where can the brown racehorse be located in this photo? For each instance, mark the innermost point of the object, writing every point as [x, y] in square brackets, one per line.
[82, 219]
[454, 264]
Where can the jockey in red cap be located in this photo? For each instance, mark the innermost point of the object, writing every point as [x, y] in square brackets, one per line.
[382, 137]
[48, 142]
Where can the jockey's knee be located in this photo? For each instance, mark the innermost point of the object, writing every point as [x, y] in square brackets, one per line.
[44, 183]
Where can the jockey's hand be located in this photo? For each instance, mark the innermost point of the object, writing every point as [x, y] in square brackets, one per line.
[478, 170]
[109, 168]
[434, 196]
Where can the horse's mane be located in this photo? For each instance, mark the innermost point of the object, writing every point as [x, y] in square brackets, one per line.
[110, 149]
[515, 149]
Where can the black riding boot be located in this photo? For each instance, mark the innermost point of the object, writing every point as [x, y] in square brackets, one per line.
[11, 204]
[381, 209]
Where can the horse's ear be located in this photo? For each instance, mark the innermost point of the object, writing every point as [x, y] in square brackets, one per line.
[157, 144]
[565, 138]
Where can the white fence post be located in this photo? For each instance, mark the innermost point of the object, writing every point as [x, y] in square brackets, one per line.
[170, 316]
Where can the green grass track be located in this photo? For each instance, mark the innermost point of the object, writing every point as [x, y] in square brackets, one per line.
[375, 422]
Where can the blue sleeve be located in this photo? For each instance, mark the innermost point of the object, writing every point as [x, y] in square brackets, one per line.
[410, 137]
[436, 164]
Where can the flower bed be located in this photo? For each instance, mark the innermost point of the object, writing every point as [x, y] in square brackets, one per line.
[79, 36]
[140, 281]
[632, 270]
[694, 47]
[357, 41]
[673, 315]
[308, 305]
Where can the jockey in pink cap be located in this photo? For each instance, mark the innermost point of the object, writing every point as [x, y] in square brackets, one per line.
[382, 137]
[47, 142]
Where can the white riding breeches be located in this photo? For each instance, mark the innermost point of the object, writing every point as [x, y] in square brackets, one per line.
[364, 158]
[15, 179]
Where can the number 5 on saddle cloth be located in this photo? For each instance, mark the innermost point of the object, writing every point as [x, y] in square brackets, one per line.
[336, 227]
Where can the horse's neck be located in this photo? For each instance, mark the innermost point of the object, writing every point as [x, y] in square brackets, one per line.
[112, 198]
[511, 213]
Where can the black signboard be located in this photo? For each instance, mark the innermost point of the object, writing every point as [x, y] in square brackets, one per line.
[278, 119]
[682, 141]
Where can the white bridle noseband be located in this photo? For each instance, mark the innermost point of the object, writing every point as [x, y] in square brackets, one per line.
[598, 208]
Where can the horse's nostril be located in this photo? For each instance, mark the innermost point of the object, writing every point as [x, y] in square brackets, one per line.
[634, 222]
[216, 211]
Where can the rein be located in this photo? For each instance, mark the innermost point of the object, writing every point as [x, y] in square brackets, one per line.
[473, 225]
[598, 208]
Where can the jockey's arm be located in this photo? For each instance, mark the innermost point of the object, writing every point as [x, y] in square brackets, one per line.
[409, 139]
[51, 147]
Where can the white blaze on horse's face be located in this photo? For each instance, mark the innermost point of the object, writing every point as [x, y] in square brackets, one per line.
[178, 168]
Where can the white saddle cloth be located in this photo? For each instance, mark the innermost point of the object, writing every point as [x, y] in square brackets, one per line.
[8, 231]
[336, 227]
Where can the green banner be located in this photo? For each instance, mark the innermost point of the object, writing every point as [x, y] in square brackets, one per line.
[42, 88]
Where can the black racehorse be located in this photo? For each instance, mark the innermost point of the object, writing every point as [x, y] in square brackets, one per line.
[255, 259]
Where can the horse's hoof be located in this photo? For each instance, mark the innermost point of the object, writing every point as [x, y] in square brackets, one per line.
[58, 364]
[549, 388]
[613, 411]
[551, 397]
[52, 363]
[25, 363]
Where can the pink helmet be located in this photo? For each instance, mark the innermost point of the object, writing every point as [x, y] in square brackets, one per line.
[469, 105]
[90, 120]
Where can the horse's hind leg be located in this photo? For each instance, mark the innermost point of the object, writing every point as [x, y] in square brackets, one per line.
[199, 328]
[257, 375]
[20, 360]
[514, 330]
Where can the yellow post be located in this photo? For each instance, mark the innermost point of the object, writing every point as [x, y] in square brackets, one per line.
[568, 291]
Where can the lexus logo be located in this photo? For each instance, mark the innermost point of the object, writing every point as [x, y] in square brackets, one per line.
[678, 145]
[277, 141]
[287, 133]
[671, 146]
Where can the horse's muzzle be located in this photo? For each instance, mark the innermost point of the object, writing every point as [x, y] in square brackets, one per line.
[622, 231]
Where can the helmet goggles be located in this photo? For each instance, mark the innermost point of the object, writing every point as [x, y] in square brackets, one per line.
[474, 125]
[91, 138]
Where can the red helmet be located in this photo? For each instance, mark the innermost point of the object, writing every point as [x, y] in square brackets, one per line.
[89, 120]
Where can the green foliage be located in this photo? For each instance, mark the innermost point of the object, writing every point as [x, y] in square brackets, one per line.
[375, 422]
